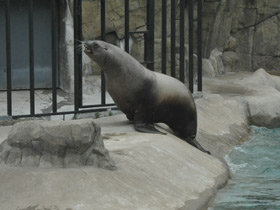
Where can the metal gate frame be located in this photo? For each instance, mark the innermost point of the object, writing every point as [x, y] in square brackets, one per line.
[148, 44]
[31, 57]
[148, 52]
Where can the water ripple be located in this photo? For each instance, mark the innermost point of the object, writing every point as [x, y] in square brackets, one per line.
[255, 168]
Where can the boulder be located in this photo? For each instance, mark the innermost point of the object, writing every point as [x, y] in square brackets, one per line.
[216, 59]
[263, 106]
[230, 61]
[258, 92]
[207, 68]
[231, 44]
[55, 144]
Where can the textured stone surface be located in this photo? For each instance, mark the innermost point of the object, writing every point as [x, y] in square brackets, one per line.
[217, 125]
[153, 172]
[216, 59]
[230, 61]
[249, 28]
[258, 93]
[207, 68]
[264, 110]
[55, 143]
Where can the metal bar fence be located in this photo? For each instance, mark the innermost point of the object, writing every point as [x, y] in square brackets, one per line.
[103, 38]
[126, 25]
[8, 57]
[54, 55]
[103, 104]
[31, 58]
[149, 36]
[148, 50]
[199, 45]
[173, 39]
[191, 45]
[163, 36]
[77, 55]
[182, 41]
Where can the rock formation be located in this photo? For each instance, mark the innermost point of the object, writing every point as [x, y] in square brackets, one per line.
[245, 31]
[55, 144]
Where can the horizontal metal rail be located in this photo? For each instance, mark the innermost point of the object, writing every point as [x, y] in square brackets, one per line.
[100, 109]
[97, 105]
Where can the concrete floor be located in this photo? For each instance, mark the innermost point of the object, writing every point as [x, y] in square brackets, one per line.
[152, 173]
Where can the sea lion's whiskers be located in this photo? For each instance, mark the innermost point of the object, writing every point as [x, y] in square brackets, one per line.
[79, 47]
[81, 42]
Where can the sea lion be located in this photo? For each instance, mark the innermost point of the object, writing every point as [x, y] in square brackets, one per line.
[146, 97]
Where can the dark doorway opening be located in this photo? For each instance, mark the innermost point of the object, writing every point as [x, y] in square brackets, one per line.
[20, 44]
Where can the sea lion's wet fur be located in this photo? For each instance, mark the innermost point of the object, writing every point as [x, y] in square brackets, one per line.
[145, 97]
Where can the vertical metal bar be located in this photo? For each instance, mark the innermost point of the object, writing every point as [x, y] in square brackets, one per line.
[77, 54]
[8, 58]
[182, 41]
[126, 38]
[76, 71]
[163, 39]
[191, 45]
[103, 19]
[103, 37]
[149, 36]
[173, 38]
[54, 55]
[199, 44]
[31, 57]
[80, 57]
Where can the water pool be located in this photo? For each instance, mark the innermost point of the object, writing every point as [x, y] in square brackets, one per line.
[255, 168]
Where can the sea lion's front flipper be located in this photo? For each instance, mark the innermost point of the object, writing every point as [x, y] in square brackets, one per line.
[146, 128]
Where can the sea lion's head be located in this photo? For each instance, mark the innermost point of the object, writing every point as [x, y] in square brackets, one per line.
[96, 50]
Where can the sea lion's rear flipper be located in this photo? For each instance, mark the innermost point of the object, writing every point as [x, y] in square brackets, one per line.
[146, 128]
[192, 141]
[142, 122]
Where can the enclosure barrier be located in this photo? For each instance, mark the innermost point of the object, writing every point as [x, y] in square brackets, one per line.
[148, 50]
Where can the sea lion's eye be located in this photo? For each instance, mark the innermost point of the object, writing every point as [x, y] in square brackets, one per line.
[95, 45]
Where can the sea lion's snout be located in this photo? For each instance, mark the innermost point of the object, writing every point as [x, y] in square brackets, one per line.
[91, 46]
[87, 49]
[96, 50]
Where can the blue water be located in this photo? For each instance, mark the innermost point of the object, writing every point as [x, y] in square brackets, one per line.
[255, 168]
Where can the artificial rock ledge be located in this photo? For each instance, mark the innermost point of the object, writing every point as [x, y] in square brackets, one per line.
[55, 144]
